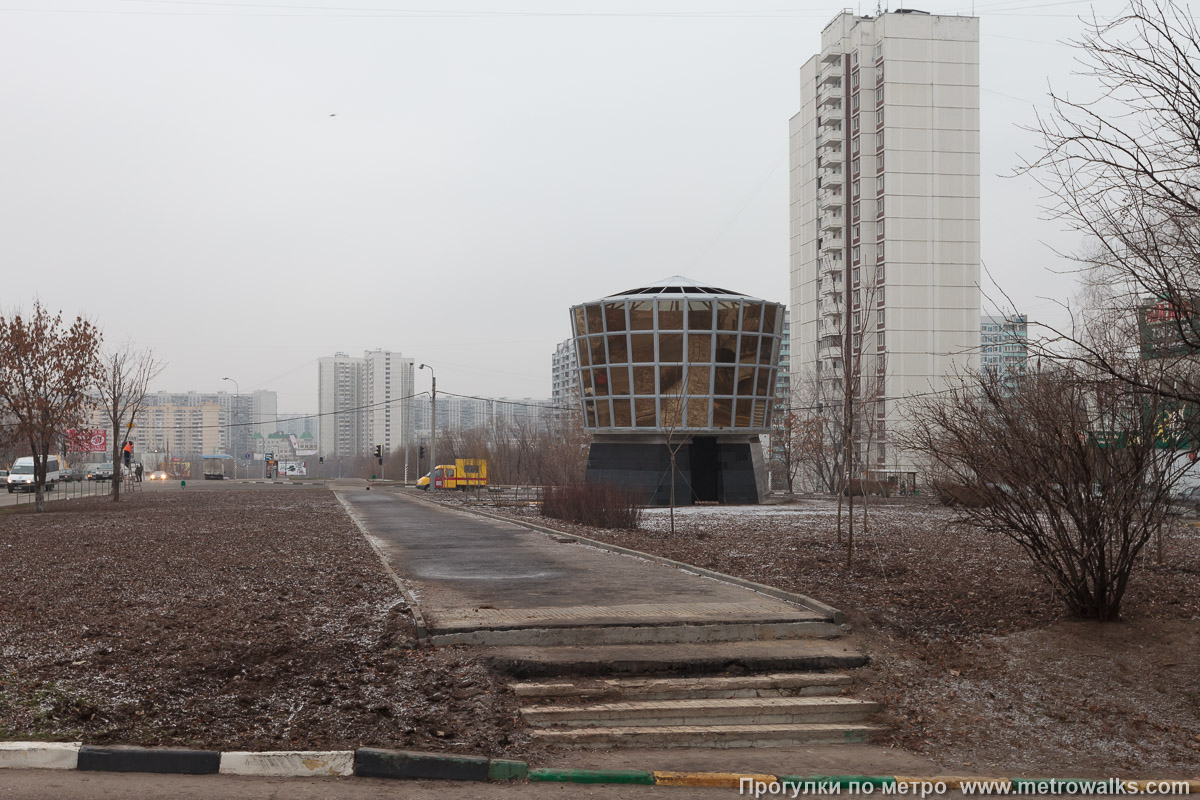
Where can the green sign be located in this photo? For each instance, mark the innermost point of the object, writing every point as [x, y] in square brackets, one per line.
[1168, 329]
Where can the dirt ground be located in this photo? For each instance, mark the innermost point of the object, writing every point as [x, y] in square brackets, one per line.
[970, 651]
[208, 618]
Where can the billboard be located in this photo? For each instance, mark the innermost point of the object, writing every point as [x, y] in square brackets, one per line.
[302, 448]
[1167, 329]
[293, 469]
[87, 440]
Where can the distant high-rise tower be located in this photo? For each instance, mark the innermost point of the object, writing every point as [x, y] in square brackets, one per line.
[885, 216]
[564, 375]
[364, 402]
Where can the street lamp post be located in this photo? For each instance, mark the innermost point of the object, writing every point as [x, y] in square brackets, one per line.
[237, 393]
[432, 428]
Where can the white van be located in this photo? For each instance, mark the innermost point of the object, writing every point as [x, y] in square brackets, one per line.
[21, 474]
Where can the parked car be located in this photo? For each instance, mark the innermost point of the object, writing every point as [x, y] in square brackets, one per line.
[4, 475]
[101, 472]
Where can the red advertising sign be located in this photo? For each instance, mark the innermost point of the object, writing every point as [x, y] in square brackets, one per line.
[87, 440]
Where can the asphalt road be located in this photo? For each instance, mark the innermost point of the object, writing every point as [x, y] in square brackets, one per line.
[69, 785]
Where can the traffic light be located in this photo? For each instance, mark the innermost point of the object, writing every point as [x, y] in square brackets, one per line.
[421, 451]
[379, 451]
[320, 459]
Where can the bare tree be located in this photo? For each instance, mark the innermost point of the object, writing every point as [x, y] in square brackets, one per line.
[1123, 167]
[45, 368]
[670, 425]
[817, 435]
[1075, 468]
[846, 394]
[125, 381]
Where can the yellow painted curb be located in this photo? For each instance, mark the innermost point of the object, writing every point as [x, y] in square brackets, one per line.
[1193, 786]
[720, 780]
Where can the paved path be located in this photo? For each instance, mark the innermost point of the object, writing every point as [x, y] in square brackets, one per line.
[471, 573]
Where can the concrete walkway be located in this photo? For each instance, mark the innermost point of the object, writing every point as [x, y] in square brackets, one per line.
[482, 581]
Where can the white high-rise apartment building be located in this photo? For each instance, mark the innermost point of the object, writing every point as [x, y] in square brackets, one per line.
[364, 402]
[885, 214]
[564, 376]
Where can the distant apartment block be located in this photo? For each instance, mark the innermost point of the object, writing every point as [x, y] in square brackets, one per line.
[504, 416]
[885, 213]
[176, 425]
[297, 423]
[564, 376]
[783, 393]
[1003, 345]
[363, 402]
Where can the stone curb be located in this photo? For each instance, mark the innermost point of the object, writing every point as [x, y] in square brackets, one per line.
[286, 764]
[832, 614]
[368, 762]
[146, 759]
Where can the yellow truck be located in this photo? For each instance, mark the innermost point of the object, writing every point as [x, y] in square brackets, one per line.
[464, 473]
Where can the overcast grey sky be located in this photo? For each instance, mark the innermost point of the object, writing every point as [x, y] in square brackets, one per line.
[247, 186]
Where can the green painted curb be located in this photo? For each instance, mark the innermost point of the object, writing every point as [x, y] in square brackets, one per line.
[593, 776]
[842, 781]
[500, 769]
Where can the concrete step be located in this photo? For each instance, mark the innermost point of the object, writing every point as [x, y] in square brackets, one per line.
[716, 736]
[796, 684]
[705, 712]
[627, 615]
[685, 633]
[795, 655]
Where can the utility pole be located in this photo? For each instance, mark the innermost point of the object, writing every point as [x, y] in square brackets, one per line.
[432, 428]
[231, 427]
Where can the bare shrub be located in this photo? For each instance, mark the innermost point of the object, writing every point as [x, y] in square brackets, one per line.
[599, 505]
[1076, 470]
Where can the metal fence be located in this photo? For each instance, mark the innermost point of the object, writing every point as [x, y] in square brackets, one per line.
[67, 490]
